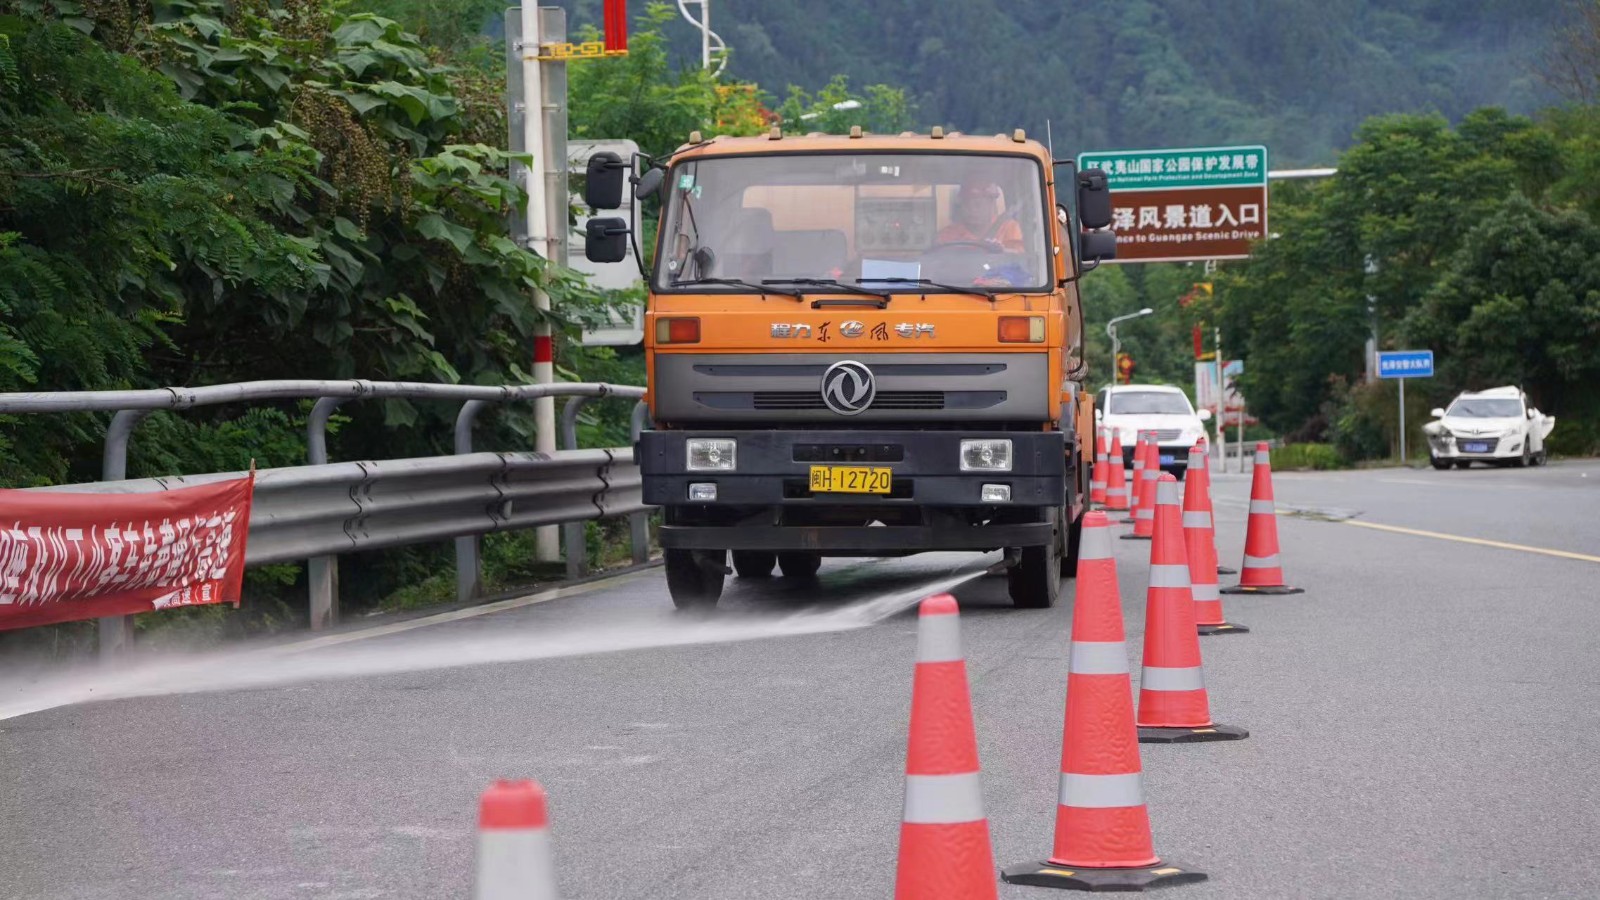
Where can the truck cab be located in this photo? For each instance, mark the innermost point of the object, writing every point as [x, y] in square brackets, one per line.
[864, 346]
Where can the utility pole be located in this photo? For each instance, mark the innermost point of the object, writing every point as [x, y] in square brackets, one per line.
[1371, 267]
[537, 104]
[1222, 402]
[709, 40]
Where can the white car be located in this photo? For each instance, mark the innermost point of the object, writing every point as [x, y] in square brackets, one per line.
[1164, 410]
[1495, 426]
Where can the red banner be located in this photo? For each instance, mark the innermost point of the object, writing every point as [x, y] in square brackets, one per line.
[67, 556]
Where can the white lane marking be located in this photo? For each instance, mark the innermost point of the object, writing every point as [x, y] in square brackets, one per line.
[1482, 542]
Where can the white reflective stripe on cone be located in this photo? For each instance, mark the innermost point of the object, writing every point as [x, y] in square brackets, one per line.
[1098, 658]
[1261, 457]
[1203, 592]
[1169, 576]
[1101, 791]
[1196, 520]
[515, 865]
[943, 799]
[1156, 678]
[1095, 544]
[1260, 507]
[1167, 494]
[1144, 512]
[1151, 473]
[939, 639]
[1117, 492]
[1261, 562]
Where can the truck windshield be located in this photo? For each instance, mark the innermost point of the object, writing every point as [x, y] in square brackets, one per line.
[1149, 403]
[1484, 408]
[889, 222]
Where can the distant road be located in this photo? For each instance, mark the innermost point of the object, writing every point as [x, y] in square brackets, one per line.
[1425, 723]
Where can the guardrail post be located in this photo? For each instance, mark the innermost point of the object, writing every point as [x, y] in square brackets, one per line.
[322, 572]
[469, 569]
[573, 546]
[116, 632]
[639, 522]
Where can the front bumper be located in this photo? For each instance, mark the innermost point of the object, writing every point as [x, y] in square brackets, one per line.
[1173, 456]
[1477, 448]
[774, 468]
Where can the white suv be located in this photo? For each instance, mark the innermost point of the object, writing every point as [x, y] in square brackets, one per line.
[1495, 426]
[1132, 408]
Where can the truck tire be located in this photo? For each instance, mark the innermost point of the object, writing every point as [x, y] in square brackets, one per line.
[1069, 552]
[754, 563]
[1035, 581]
[694, 577]
[799, 565]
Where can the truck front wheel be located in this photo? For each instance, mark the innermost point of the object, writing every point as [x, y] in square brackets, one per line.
[694, 577]
[1035, 581]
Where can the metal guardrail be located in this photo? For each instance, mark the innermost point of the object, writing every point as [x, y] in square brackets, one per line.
[321, 510]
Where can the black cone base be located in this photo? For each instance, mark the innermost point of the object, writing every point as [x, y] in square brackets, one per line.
[1071, 878]
[1136, 537]
[1247, 589]
[1224, 570]
[1149, 735]
[1224, 628]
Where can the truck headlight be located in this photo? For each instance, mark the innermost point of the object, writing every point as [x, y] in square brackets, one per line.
[712, 454]
[986, 455]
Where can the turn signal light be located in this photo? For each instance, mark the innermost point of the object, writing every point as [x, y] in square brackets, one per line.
[677, 331]
[1022, 329]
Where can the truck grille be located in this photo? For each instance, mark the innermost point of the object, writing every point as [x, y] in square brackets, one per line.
[813, 400]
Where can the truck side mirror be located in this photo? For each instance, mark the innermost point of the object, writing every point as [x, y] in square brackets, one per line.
[605, 240]
[1437, 413]
[649, 183]
[1096, 246]
[602, 187]
[1094, 199]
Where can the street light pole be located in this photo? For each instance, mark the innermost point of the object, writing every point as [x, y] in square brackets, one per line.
[1116, 345]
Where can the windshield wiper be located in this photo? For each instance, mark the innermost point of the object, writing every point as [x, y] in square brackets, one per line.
[881, 302]
[928, 282]
[761, 288]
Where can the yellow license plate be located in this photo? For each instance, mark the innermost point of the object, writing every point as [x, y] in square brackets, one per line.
[849, 480]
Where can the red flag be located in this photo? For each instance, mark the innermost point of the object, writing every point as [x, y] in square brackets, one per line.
[69, 556]
[616, 20]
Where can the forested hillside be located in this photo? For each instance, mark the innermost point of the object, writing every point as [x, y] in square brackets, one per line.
[1296, 75]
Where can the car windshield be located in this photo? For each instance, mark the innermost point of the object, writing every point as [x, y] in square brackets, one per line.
[1483, 408]
[891, 222]
[1149, 403]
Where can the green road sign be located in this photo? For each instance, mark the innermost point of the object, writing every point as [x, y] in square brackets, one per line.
[1200, 167]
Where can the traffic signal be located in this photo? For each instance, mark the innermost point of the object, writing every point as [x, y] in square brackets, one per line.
[1124, 368]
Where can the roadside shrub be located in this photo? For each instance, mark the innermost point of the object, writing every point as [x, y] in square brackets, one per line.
[1301, 457]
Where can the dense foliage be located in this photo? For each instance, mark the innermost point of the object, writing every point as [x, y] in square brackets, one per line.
[1297, 75]
[1478, 242]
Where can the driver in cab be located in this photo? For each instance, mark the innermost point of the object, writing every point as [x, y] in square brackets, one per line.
[976, 219]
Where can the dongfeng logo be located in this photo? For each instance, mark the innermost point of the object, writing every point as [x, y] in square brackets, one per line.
[848, 387]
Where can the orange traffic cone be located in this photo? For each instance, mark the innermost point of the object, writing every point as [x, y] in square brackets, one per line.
[1200, 544]
[1116, 475]
[1144, 515]
[1135, 482]
[1261, 572]
[945, 852]
[514, 859]
[1173, 706]
[1097, 480]
[1102, 826]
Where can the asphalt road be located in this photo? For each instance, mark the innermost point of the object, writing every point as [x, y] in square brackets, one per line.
[1423, 721]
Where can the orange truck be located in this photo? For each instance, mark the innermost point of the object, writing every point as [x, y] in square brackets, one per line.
[863, 345]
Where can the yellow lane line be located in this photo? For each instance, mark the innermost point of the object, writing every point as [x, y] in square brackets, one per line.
[1564, 554]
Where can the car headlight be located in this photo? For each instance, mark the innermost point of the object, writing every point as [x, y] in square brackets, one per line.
[712, 454]
[986, 455]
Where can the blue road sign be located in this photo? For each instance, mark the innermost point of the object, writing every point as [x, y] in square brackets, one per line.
[1405, 364]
